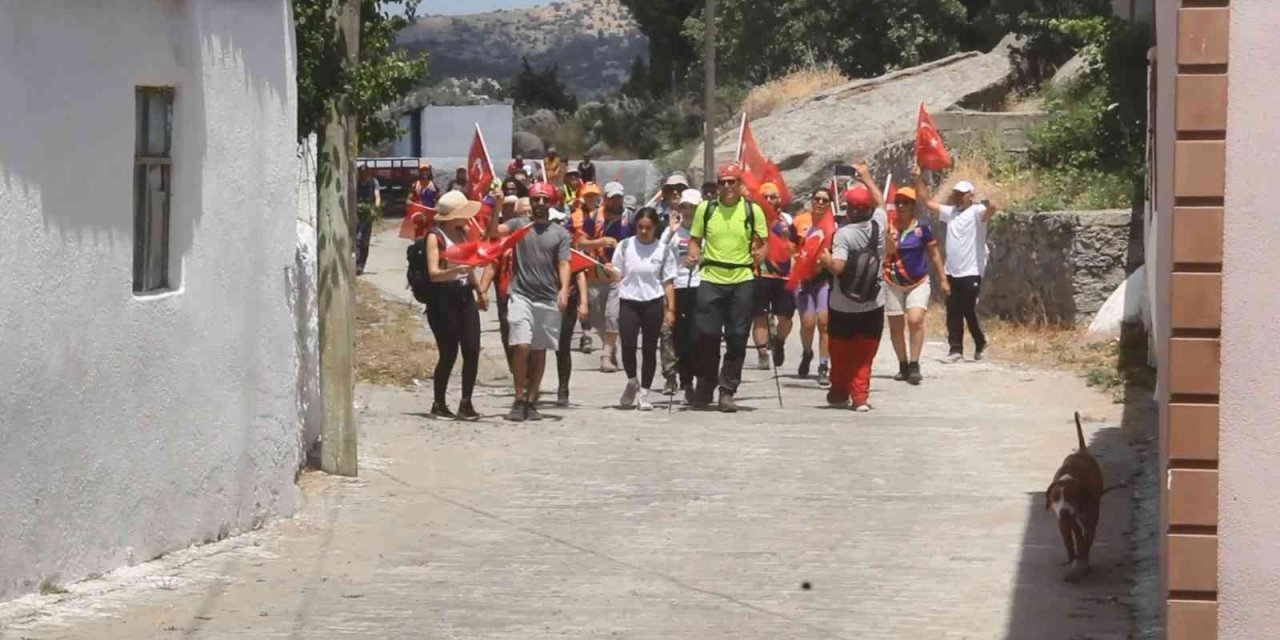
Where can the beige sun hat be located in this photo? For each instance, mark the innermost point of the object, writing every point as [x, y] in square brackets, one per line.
[455, 206]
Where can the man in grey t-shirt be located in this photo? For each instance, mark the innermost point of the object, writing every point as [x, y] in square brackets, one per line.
[855, 327]
[539, 294]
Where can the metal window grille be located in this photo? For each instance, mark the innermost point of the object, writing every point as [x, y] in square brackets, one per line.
[152, 167]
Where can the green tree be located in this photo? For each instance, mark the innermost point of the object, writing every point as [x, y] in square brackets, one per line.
[637, 84]
[543, 89]
[381, 76]
[671, 52]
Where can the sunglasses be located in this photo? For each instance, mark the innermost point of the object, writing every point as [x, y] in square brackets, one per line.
[539, 200]
[728, 183]
[821, 200]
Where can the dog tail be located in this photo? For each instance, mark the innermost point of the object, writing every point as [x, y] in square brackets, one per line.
[1080, 433]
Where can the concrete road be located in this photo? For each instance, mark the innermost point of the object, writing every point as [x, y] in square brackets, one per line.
[922, 519]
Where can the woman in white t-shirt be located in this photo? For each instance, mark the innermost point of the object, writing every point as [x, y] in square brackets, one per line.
[640, 266]
[682, 287]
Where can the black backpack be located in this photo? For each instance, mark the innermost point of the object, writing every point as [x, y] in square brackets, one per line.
[419, 279]
[706, 209]
[860, 280]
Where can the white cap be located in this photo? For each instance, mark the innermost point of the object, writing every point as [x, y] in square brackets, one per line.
[691, 196]
[677, 180]
[614, 189]
[510, 200]
[964, 186]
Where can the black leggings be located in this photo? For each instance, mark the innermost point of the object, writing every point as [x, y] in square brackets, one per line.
[455, 321]
[962, 309]
[564, 350]
[636, 317]
[686, 301]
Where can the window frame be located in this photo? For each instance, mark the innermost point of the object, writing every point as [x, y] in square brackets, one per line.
[152, 270]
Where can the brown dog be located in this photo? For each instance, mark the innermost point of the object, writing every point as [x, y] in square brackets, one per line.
[1075, 496]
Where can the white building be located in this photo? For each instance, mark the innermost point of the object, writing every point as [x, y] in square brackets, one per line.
[148, 171]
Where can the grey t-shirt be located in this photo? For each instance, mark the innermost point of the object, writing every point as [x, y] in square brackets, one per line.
[850, 240]
[536, 274]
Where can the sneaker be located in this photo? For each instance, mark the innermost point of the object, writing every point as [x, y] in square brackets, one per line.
[607, 365]
[642, 402]
[824, 376]
[838, 404]
[762, 360]
[628, 399]
[466, 411]
[913, 374]
[584, 344]
[779, 352]
[727, 405]
[517, 412]
[805, 360]
[903, 369]
[690, 399]
[980, 353]
[531, 412]
[862, 408]
[700, 398]
[562, 397]
[953, 358]
[441, 410]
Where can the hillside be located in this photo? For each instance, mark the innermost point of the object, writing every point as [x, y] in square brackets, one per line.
[592, 41]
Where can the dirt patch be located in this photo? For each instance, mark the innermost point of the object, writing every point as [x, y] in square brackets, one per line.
[392, 344]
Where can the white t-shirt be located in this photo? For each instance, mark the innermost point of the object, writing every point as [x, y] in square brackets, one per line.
[677, 247]
[966, 240]
[850, 240]
[643, 269]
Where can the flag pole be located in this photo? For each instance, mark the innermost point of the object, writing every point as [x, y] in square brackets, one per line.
[487, 157]
[742, 135]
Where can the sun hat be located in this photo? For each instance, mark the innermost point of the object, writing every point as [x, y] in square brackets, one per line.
[614, 189]
[455, 206]
[676, 180]
[691, 196]
[964, 186]
[857, 197]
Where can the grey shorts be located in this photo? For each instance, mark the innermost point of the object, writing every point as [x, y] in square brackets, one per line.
[536, 324]
[602, 305]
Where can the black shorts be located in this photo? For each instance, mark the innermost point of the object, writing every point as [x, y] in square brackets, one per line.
[771, 296]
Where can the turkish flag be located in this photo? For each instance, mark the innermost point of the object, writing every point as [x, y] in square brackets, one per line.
[412, 210]
[478, 254]
[806, 266]
[479, 170]
[779, 248]
[579, 261]
[931, 154]
[756, 165]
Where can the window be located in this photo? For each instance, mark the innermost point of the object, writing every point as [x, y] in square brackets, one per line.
[152, 168]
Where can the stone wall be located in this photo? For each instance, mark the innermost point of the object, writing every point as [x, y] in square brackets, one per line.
[1057, 267]
[960, 127]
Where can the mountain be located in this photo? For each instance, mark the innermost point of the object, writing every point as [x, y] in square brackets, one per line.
[592, 41]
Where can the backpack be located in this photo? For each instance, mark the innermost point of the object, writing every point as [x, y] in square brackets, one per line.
[419, 279]
[705, 210]
[860, 280]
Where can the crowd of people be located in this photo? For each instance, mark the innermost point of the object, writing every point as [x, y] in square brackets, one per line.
[687, 285]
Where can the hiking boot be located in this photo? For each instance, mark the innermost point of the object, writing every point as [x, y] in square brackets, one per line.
[517, 412]
[607, 365]
[699, 398]
[806, 359]
[642, 402]
[824, 376]
[954, 357]
[671, 387]
[762, 360]
[727, 405]
[690, 398]
[628, 399]
[562, 397]
[466, 411]
[913, 374]
[980, 353]
[779, 352]
[904, 369]
[531, 412]
[584, 344]
[441, 410]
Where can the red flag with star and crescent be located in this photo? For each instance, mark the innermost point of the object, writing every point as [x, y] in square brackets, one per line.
[755, 164]
[931, 154]
[480, 253]
[479, 169]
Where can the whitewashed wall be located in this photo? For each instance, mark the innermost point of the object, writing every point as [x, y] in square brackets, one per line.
[133, 426]
[306, 309]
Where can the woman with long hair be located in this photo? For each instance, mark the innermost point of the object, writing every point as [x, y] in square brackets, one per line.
[424, 190]
[454, 304]
[910, 250]
[640, 267]
[812, 296]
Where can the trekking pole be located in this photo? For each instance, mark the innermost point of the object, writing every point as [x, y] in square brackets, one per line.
[773, 364]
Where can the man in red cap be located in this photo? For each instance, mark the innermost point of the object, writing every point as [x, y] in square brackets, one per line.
[856, 324]
[728, 239]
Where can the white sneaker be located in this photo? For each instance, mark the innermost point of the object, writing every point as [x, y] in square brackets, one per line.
[628, 399]
[954, 358]
[862, 408]
[643, 402]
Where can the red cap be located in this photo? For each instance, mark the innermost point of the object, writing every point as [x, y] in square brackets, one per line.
[857, 197]
[542, 189]
[731, 170]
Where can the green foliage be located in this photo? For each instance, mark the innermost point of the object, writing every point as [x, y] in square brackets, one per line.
[671, 54]
[381, 77]
[1046, 26]
[638, 81]
[533, 89]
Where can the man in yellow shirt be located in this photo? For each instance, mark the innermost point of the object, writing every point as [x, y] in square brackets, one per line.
[728, 239]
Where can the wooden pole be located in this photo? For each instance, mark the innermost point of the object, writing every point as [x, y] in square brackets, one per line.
[336, 208]
[709, 105]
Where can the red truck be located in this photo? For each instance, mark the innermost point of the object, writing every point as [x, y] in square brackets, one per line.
[396, 176]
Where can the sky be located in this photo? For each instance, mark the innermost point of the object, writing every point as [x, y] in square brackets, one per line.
[454, 7]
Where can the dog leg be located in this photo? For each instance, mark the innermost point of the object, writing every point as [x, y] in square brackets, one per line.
[1067, 531]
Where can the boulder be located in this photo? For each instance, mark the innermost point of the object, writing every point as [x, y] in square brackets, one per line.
[539, 120]
[600, 151]
[1124, 305]
[1069, 72]
[527, 145]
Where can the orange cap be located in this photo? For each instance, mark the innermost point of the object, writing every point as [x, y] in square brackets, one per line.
[589, 189]
[906, 192]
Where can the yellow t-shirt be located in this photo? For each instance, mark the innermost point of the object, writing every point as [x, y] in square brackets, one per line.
[726, 244]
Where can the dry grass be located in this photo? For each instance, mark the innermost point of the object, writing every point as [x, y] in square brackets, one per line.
[391, 344]
[766, 98]
[974, 164]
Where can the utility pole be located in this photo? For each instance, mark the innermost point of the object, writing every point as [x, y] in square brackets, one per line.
[336, 208]
[709, 104]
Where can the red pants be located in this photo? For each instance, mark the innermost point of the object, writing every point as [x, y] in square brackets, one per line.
[851, 360]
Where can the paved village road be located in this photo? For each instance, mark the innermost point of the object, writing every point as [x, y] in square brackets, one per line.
[923, 519]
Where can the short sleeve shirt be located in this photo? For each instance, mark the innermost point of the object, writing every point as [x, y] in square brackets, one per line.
[910, 265]
[966, 240]
[536, 272]
[850, 240]
[726, 241]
